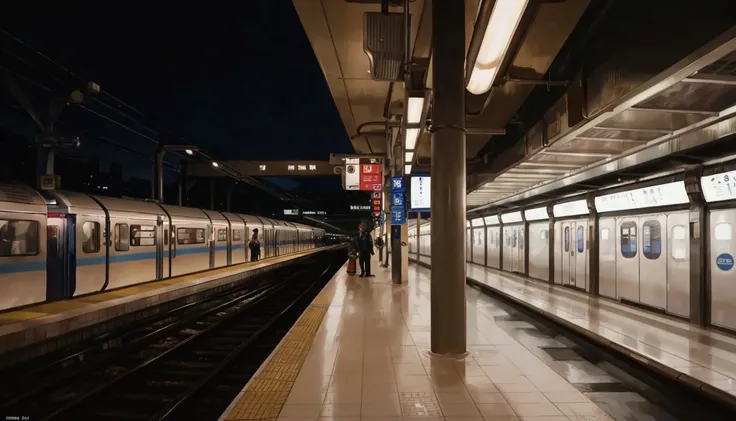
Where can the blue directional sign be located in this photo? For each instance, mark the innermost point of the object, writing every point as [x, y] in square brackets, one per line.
[397, 199]
[398, 215]
[397, 184]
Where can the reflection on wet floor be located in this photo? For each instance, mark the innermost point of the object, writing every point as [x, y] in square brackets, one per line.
[591, 371]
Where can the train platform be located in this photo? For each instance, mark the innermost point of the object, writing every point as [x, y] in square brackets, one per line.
[361, 351]
[36, 330]
[699, 358]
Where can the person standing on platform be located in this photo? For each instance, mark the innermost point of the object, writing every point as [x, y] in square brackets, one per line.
[255, 247]
[365, 250]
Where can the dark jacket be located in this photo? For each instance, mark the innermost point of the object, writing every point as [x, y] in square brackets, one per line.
[365, 243]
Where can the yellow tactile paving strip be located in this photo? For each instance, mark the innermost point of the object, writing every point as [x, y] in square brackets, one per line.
[47, 309]
[266, 393]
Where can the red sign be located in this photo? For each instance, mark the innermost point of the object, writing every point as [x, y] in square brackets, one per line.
[370, 177]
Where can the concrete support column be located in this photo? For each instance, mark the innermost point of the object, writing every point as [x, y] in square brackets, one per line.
[448, 335]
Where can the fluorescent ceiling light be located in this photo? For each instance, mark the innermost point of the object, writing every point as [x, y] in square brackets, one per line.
[407, 169]
[504, 20]
[215, 164]
[410, 141]
[408, 156]
[414, 110]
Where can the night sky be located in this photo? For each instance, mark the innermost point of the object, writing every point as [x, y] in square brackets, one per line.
[239, 80]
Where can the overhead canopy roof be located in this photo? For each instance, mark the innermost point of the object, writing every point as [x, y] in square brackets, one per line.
[697, 92]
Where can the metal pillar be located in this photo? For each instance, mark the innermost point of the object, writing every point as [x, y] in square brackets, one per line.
[448, 334]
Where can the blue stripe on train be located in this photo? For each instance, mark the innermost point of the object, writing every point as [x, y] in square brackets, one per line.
[16, 267]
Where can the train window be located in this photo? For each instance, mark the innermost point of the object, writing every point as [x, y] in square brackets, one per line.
[222, 235]
[652, 240]
[237, 235]
[521, 239]
[605, 234]
[142, 235]
[722, 232]
[190, 236]
[566, 240]
[166, 237]
[122, 239]
[543, 235]
[18, 238]
[90, 237]
[581, 239]
[628, 240]
[679, 242]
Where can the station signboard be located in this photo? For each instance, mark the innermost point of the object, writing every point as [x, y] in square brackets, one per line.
[370, 177]
[398, 207]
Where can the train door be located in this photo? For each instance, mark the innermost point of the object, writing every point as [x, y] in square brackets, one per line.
[678, 264]
[515, 249]
[520, 250]
[580, 254]
[159, 248]
[652, 263]
[567, 257]
[722, 272]
[60, 257]
[211, 237]
[627, 259]
[607, 257]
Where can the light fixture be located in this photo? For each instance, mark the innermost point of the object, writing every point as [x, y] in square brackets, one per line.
[408, 156]
[215, 164]
[504, 20]
[407, 169]
[410, 139]
[414, 110]
[189, 151]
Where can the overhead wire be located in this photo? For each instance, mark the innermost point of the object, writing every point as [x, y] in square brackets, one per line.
[232, 172]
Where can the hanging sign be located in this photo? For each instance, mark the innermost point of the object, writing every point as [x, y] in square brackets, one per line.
[370, 177]
[719, 187]
[352, 177]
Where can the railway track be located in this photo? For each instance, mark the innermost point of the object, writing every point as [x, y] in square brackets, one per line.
[155, 370]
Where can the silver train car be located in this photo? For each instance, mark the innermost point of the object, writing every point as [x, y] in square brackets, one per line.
[70, 244]
[638, 236]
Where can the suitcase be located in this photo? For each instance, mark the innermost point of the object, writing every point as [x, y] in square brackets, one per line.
[352, 264]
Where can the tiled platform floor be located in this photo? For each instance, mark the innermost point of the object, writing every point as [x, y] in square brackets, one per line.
[369, 360]
[702, 355]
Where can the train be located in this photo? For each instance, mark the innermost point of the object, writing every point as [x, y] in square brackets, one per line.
[55, 245]
[639, 237]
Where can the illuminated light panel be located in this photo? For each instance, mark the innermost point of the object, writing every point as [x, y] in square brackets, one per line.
[407, 169]
[491, 220]
[410, 141]
[504, 20]
[408, 156]
[477, 222]
[511, 217]
[414, 110]
[574, 208]
[646, 197]
[536, 214]
[719, 187]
